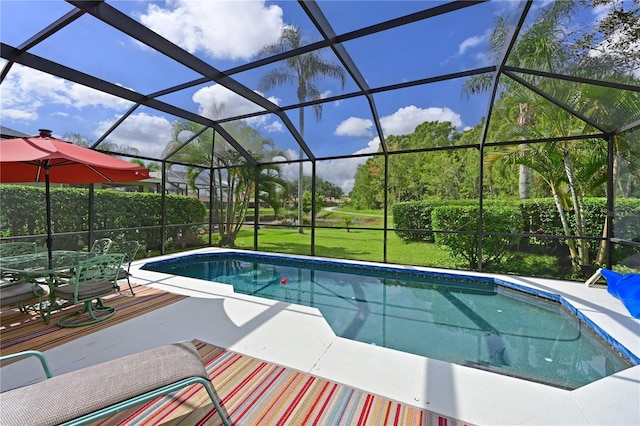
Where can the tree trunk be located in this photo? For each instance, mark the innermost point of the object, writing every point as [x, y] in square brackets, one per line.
[300, 191]
[615, 173]
[300, 173]
[523, 183]
[578, 207]
[573, 253]
[602, 248]
[524, 119]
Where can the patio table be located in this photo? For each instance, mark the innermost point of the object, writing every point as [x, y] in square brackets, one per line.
[34, 268]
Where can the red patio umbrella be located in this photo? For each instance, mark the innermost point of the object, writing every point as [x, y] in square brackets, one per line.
[46, 159]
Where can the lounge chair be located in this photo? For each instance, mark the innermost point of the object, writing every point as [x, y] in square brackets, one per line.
[94, 278]
[89, 394]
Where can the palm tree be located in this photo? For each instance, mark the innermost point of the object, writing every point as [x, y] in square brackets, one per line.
[233, 181]
[304, 71]
[151, 165]
[539, 49]
[111, 147]
[567, 187]
[584, 164]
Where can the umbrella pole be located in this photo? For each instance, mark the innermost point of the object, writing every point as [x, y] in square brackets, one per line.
[48, 205]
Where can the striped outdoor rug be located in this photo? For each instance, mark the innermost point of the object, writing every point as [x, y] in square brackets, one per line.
[19, 332]
[256, 392]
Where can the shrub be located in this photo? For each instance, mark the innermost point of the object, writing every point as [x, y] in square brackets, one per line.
[460, 224]
[412, 220]
[23, 213]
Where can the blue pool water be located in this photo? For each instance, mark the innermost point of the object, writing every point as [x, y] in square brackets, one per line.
[468, 321]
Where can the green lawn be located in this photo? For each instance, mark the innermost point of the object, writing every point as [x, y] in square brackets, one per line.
[366, 244]
[357, 244]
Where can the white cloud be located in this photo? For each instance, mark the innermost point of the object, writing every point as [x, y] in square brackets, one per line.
[472, 42]
[354, 126]
[18, 114]
[405, 120]
[290, 171]
[340, 172]
[600, 12]
[274, 127]
[217, 102]
[25, 91]
[402, 122]
[149, 134]
[220, 29]
[485, 59]
[608, 47]
[372, 146]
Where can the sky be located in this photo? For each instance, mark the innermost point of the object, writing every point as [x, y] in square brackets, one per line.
[227, 34]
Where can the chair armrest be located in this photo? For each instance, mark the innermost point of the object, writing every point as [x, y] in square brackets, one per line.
[37, 354]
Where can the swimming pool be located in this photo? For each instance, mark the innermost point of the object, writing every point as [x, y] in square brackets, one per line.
[477, 322]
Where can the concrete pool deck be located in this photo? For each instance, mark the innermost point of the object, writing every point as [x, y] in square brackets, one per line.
[299, 337]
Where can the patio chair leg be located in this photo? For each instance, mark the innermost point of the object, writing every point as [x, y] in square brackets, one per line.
[91, 310]
[130, 288]
[46, 306]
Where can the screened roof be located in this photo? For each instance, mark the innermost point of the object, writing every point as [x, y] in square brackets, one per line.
[122, 73]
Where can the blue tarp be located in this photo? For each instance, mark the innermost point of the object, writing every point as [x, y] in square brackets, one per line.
[626, 288]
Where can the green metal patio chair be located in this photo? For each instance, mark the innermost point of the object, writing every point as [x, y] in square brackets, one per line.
[14, 249]
[129, 249]
[101, 246]
[94, 278]
[23, 294]
[17, 248]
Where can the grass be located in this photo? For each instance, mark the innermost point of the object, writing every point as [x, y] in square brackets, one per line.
[357, 244]
[367, 245]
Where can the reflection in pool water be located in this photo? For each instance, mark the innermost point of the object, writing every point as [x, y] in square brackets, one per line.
[464, 320]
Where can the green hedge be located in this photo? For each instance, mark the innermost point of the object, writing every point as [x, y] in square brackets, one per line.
[24, 213]
[414, 220]
[464, 246]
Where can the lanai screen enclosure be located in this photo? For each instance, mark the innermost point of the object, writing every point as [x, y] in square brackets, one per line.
[504, 134]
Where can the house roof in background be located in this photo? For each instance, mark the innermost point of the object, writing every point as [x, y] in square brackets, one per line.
[7, 133]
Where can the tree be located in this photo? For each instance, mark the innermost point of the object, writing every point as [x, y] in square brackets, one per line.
[306, 202]
[232, 179]
[151, 165]
[555, 163]
[538, 48]
[443, 174]
[323, 188]
[415, 175]
[304, 71]
[611, 43]
[78, 139]
[368, 187]
[571, 169]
